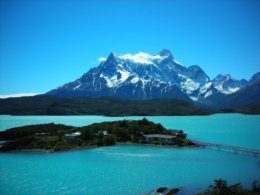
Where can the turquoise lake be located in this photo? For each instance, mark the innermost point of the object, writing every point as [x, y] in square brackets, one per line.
[132, 169]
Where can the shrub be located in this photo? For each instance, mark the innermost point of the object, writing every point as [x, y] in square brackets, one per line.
[156, 142]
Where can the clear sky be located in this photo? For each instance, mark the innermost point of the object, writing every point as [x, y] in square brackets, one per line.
[46, 43]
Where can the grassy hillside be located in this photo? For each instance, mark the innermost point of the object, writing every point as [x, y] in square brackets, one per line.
[250, 109]
[47, 105]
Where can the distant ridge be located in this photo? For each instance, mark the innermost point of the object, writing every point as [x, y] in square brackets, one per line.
[47, 105]
[18, 95]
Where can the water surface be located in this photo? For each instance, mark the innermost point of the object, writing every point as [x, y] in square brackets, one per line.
[122, 169]
[132, 169]
[231, 129]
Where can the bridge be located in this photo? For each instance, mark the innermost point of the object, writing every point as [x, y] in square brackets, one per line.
[222, 146]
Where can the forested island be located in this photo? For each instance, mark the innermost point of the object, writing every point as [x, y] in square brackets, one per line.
[57, 137]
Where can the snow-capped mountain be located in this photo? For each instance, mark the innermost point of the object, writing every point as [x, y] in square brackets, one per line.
[228, 85]
[145, 76]
[139, 76]
[248, 95]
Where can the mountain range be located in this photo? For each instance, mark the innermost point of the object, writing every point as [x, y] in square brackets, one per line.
[143, 77]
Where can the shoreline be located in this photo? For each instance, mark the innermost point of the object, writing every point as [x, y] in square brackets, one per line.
[112, 116]
[46, 151]
[50, 138]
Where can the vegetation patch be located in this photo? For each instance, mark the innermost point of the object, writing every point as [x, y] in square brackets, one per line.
[57, 137]
[221, 187]
[48, 105]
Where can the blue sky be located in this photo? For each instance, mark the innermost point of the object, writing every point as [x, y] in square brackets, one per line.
[46, 43]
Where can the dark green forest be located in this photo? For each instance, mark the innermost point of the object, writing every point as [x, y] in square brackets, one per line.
[47, 105]
[107, 106]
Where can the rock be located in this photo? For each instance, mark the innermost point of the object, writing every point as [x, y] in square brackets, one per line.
[161, 189]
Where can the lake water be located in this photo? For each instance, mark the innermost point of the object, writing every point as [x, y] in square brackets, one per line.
[131, 169]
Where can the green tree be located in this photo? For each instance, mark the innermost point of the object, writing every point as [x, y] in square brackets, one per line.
[88, 135]
[123, 134]
[109, 140]
[123, 124]
[221, 187]
[256, 187]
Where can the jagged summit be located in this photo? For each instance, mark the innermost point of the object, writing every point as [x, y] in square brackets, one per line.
[166, 53]
[141, 57]
[112, 56]
[228, 85]
[255, 77]
[146, 76]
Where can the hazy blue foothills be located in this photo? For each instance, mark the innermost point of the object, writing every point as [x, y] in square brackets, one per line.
[135, 169]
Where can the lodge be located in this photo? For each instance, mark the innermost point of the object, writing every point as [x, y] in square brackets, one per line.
[72, 135]
[166, 139]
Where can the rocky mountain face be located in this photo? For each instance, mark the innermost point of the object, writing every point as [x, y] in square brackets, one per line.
[144, 76]
[228, 85]
[249, 95]
[255, 78]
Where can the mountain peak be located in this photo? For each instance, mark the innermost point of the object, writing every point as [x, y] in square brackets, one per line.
[226, 84]
[110, 62]
[195, 68]
[112, 55]
[255, 77]
[228, 76]
[223, 77]
[166, 53]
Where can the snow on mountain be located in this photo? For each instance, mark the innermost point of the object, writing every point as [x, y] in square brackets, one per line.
[145, 76]
[228, 85]
[142, 58]
[102, 59]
